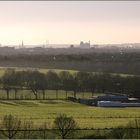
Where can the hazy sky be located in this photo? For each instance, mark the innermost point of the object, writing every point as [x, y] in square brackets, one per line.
[69, 21]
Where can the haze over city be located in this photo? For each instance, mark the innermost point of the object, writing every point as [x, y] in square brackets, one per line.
[69, 22]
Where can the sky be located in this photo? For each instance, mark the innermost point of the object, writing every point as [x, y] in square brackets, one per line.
[69, 22]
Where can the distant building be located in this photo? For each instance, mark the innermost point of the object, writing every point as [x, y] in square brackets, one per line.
[22, 45]
[94, 100]
[116, 104]
[108, 103]
[71, 46]
[112, 97]
[84, 45]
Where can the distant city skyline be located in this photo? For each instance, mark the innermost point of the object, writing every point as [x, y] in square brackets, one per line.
[69, 22]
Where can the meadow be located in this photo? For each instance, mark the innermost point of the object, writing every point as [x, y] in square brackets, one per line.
[40, 111]
[45, 70]
[42, 70]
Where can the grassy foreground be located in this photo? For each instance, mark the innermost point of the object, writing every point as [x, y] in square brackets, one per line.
[86, 116]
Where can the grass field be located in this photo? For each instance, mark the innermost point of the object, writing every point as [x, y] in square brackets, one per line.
[45, 70]
[86, 116]
[42, 70]
[41, 111]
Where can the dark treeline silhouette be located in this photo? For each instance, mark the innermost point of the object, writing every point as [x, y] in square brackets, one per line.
[115, 62]
[84, 82]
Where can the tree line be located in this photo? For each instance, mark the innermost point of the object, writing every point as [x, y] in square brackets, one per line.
[64, 127]
[10, 125]
[64, 80]
[112, 62]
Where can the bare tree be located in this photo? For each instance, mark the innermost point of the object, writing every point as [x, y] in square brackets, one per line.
[65, 125]
[53, 81]
[10, 125]
[65, 78]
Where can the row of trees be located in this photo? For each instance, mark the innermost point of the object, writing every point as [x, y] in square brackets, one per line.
[76, 82]
[13, 127]
[99, 60]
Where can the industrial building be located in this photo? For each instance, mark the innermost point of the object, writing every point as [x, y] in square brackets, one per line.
[116, 104]
[94, 100]
[110, 100]
[85, 45]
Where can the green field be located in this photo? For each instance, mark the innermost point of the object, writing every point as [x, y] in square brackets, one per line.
[40, 111]
[86, 116]
[42, 70]
[45, 70]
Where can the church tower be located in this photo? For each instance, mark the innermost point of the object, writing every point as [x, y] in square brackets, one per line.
[22, 44]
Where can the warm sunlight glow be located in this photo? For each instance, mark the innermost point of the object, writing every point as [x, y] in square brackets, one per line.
[69, 22]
